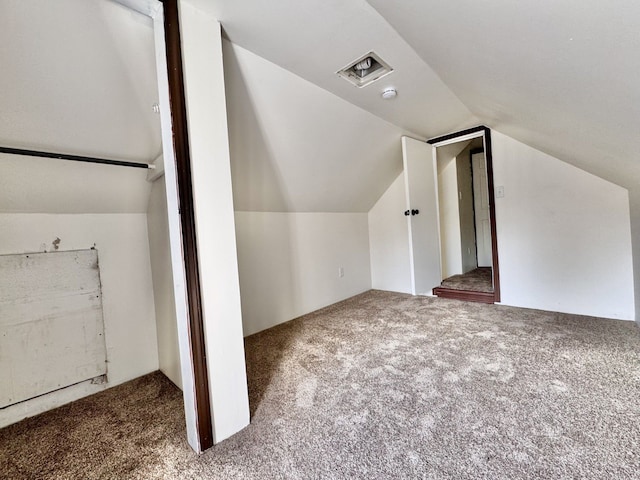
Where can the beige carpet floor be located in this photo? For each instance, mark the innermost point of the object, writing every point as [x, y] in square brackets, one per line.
[477, 280]
[381, 386]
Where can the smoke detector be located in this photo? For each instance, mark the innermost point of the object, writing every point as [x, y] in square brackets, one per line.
[389, 93]
[365, 70]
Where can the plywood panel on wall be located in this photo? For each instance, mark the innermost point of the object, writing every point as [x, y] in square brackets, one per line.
[51, 323]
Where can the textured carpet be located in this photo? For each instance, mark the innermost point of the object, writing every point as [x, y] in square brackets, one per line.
[477, 280]
[382, 385]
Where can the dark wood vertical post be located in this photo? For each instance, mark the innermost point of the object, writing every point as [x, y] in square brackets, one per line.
[187, 220]
[492, 213]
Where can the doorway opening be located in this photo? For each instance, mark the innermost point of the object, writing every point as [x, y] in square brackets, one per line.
[466, 217]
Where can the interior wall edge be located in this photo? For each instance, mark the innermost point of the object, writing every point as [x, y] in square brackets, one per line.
[634, 207]
[162, 279]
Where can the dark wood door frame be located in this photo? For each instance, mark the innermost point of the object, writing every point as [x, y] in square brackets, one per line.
[187, 222]
[463, 294]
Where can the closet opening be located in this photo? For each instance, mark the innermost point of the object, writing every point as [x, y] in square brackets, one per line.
[80, 224]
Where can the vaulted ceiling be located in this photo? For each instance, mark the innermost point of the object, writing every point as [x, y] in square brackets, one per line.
[315, 38]
[559, 76]
[79, 76]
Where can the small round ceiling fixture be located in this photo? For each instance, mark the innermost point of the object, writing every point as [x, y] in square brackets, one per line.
[389, 93]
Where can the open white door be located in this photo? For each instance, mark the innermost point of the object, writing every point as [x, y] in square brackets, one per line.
[422, 197]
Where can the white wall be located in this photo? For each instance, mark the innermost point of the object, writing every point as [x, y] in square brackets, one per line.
[127, 292]
[564, 239]
[389, 241]
[304, 161]
[289, 263]
[298, 148]
[48, 185]
[213, 199]
[165, 307]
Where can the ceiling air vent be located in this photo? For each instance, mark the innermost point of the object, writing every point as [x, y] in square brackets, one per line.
[365, 70]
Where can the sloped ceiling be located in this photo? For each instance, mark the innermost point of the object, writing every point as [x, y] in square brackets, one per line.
[315, 38]
[78, 76]
[559, 76]
[303, 139]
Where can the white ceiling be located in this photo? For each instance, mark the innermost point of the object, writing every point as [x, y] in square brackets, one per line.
[316, 38]
[78, 76]
[559, 76]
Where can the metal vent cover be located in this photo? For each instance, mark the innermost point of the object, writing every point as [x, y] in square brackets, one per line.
[365, 70]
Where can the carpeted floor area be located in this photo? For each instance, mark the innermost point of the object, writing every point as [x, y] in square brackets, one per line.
[477, 280]
[381, 386]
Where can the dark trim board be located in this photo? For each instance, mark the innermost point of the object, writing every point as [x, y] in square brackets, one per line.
[488, 155]
[74, 158]
[462, 133]
[187, 221]
[466, 295]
